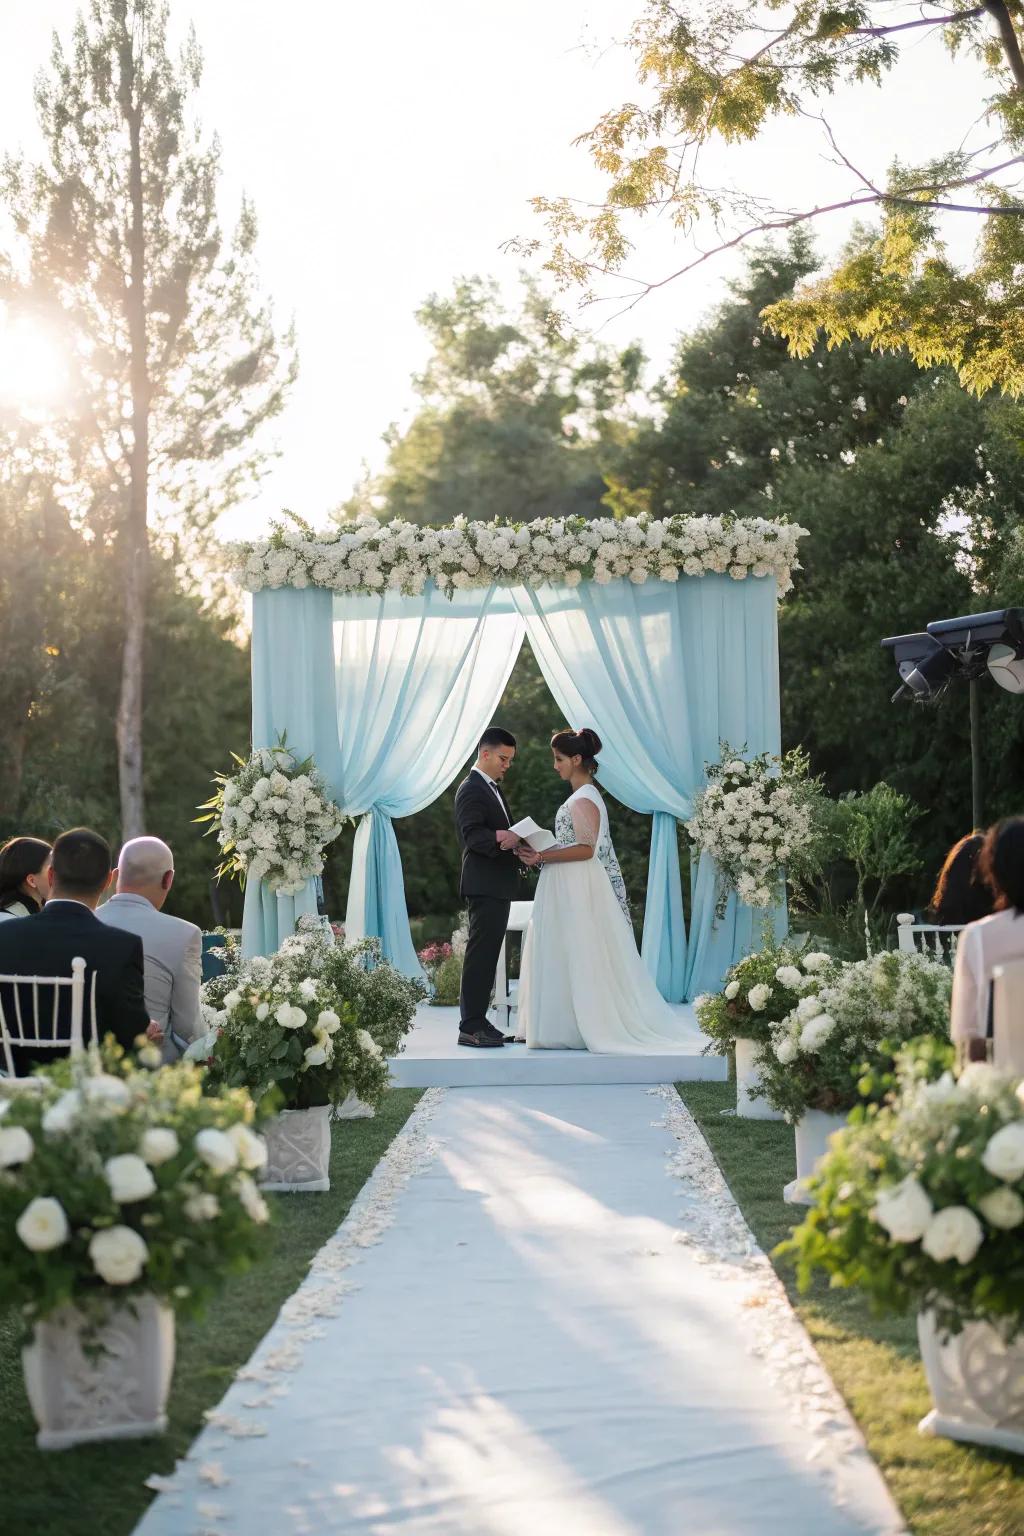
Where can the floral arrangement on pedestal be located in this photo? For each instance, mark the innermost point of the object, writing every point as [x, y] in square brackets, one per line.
[119, 1182]
[366, 555]
[443, 965]
[757, 817]
[316, 1021]
[920, 1202]
[760, 991]
[819, 1050]
[273, 819]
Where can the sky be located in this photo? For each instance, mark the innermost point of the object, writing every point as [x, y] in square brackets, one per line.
[391, 149]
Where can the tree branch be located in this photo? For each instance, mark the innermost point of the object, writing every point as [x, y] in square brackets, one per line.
[924, 21]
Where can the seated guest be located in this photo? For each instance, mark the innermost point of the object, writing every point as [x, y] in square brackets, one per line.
[24, 863]
[46, 944]
[991, 940]
[172, 948]
[961, 895]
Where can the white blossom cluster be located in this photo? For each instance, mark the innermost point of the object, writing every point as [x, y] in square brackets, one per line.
[753, 819]
[364, 555]
[892, 994]
[276, 819]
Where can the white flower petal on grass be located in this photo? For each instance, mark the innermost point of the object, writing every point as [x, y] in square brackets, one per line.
[43, 1224]
[118, 1255]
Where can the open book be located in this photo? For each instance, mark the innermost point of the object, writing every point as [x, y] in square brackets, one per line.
[538, 839]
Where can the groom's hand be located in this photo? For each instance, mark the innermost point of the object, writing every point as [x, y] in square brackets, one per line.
[506, 839]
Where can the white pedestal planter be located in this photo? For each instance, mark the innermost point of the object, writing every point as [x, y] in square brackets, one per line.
[747, 1078]
[353, 1108]
[977, 1385]
[118, 1394]
[812, 1134]
[299, 1150]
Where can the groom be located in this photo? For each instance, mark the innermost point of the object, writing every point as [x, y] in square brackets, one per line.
[489, 882]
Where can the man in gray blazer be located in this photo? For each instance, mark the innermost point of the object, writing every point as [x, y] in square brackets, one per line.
[172, 948]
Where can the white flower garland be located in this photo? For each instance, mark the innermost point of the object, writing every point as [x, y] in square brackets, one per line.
[274, 818]
[364, 555]
[754, 818]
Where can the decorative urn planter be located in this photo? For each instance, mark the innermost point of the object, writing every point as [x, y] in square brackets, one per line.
[116, 1390]
[812, 1135]
[977, 1385]
[747, 1079]
[299, 1149]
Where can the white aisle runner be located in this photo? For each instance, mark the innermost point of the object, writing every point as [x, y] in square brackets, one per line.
[543, 1317]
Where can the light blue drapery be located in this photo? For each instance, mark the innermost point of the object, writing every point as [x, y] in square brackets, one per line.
[662, 671]
[391, 693]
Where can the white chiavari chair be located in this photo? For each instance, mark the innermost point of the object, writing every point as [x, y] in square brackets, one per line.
[30, 1013]
[935, 939]
[1008, 1016]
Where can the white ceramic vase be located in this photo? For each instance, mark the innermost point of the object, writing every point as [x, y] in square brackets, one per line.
[747, 1079]
[299, 1150]
[977, 1385]
[812, 1134]
[117, 1391]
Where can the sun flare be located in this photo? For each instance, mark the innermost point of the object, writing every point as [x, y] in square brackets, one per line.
[33, 365]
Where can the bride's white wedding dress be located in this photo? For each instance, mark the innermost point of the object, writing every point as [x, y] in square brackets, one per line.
[583, 985]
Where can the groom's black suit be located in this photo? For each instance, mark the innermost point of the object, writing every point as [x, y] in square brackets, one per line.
[489, 883]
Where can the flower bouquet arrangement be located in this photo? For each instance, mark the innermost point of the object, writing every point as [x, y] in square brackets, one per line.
[273, 819]
[760, 991]
[820, 1049]
[119, 1182]
[756, 818]
[920, 1202]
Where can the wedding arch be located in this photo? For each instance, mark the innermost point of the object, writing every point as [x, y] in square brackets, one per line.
[383, 650]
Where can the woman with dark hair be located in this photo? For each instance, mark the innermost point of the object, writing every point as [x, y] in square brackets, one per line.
[24, 862]
[961, 895]
[582, 984]
[993, 940]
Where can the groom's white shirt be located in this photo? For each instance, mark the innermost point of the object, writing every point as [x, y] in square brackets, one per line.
[496, 789]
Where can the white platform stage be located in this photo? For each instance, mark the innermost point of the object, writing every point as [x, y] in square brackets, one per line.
[432, 1059]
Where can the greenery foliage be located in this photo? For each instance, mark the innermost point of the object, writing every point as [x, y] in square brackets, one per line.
[919, 1203]
[178, 1198]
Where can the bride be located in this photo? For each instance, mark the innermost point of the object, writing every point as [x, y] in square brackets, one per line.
[583, 985]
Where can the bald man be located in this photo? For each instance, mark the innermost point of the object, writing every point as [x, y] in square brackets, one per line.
[172, 948]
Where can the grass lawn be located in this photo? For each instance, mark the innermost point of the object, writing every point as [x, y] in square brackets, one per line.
[99, 1488]
[942, 1488]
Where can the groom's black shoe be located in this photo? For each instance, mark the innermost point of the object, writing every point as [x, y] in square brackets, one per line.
[481, 1039]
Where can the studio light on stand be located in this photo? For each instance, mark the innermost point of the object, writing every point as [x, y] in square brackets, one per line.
[971, 648]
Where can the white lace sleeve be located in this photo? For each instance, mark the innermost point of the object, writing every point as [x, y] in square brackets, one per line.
[586, 821]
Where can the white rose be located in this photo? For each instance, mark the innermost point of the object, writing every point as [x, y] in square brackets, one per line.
[231, 1001]
[368, 1043]
[106, 1089]
[289, 1017]
[736, 765]
[60, 1117]
[307, 989]
[252, 1201]
[316, 1055]
[789, 976]
[809, 1008]
[216, 1150]
[785, 1050]
[1002, 1208]
[816, 961]
[262, 1010]
[200, 1205]
[16, 1146]
[904, 1210]
[815, 1032]
[159, 1145]
[251, 1149]
[758, 997]
[328, 1021]
[732, 990]
[1004, 1155]
[955, 1233]
[118, 1255]
[129, 1178]
[43, 1225]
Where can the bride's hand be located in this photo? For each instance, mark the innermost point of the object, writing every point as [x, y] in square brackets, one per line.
[529, 855]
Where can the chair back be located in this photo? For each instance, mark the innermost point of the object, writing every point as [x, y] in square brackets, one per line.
[935, 939]
[1008, 1016]
[26, 1020]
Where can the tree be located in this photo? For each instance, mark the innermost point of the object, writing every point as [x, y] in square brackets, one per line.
[516, 421]
[175, 363]
[721, 71]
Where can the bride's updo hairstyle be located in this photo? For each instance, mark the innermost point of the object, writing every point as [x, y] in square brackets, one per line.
[585, 744]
